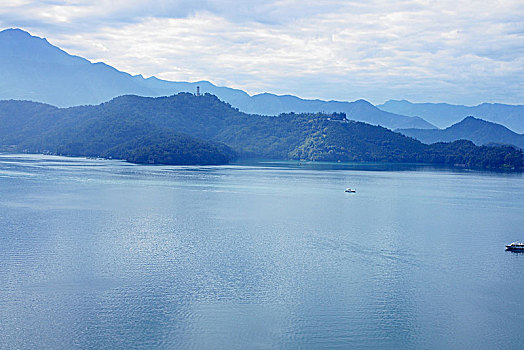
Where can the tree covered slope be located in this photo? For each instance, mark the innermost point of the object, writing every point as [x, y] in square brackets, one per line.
[189, 129]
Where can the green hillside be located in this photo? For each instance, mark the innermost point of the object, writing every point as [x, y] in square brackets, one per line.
[189, 129]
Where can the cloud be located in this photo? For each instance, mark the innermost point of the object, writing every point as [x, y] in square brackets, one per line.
[453, 51]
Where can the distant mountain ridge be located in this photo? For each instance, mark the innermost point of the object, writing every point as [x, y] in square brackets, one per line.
[444, 115]
[33, 69]
[479, 131]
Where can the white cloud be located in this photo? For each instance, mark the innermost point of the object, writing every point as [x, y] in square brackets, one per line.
[453, 51]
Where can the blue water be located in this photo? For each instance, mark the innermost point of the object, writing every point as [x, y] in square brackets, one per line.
[105, 254]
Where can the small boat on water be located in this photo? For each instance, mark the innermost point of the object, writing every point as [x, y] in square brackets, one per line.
[516, 246]
[350, 190]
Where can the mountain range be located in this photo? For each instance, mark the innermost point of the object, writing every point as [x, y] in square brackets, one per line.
[33, 69]
[190, 129]
[187, 128]
[479, 131]
[444, 115]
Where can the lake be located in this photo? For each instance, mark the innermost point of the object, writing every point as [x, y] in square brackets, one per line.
[106, 254]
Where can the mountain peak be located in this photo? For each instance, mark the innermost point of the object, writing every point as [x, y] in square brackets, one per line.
[14, 32]
[363, 102]
[20, 35]
[471, 121]
[17, 45]
[471, 118]
[393, 101]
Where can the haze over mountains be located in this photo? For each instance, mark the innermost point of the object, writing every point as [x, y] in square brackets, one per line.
[444, 115]
[33, 69]
[479, 131]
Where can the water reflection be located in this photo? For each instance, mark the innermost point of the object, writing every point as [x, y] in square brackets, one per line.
[515, 251]
[105, 254]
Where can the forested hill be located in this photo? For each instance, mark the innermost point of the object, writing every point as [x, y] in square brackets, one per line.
[167, 129]
[102, 131]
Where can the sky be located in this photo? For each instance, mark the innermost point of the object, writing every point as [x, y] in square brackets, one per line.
[462, 52]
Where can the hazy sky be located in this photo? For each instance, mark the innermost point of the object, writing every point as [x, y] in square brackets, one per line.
[456, 51]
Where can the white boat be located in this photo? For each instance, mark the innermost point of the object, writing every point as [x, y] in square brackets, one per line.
[518, 246]
[350, 190]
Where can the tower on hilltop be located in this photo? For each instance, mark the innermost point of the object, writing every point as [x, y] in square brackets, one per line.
[198, 91]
